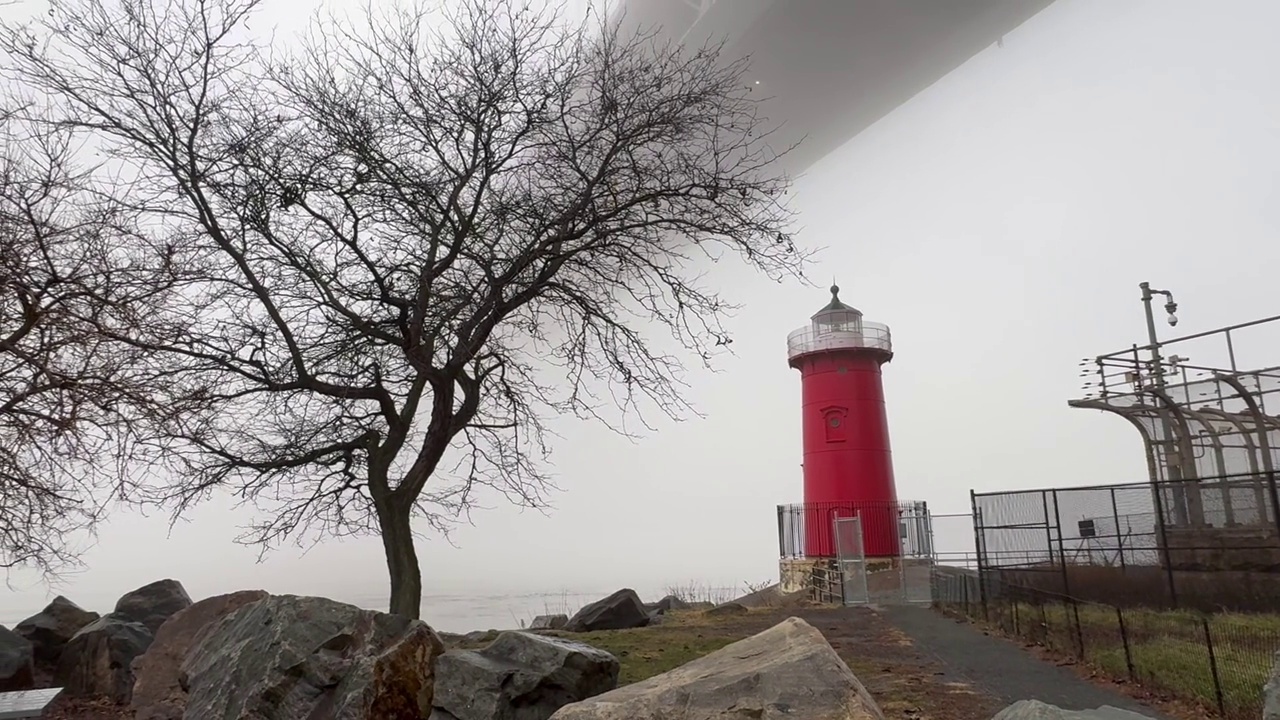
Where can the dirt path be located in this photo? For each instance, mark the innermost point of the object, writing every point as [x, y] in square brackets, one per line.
[1000, 668]
[906, 682]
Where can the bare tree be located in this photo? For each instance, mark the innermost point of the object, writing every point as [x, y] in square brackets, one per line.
[398, 251]
[67, 402]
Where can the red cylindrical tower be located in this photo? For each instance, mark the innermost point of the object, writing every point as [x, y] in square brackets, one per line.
[848, 470]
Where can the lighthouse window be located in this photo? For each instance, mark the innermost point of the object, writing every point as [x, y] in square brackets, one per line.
[834, 422]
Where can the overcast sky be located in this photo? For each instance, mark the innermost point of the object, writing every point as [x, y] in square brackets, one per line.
[999, 222]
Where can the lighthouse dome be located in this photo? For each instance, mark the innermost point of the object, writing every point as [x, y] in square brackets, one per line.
[836, 316]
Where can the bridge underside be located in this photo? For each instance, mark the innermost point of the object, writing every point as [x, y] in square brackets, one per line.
[831, 68]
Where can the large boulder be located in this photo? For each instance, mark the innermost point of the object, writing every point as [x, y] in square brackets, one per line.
[667, 604]
[729, 608]
[481, 636]
[157, 692]
[152, 604]
[548, 622]
[49, 630]
[17, 664]
[521, 676]
[773, 596]
[1036, 710]
[787, 671]
[619, 611]
[287, 657]
[98, 661]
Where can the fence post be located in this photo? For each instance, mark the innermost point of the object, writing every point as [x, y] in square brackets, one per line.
[1115, 513]
[1275, 497]
[977, 549]
[782, 533]
[1124, 638]
[1048, 527]
[1213, 666]
[964, 592]
[1157, 491]
[1075, 612]
[1062, 551]
[1044, 624]
[1015, 615]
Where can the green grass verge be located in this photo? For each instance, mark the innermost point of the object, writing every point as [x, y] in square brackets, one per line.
[1168, 649]
[645, 652]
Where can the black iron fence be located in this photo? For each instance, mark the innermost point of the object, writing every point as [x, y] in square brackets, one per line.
[889, 528]
[1220, 661]
[1207, 544]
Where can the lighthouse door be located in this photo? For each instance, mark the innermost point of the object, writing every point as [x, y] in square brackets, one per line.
[851, 557]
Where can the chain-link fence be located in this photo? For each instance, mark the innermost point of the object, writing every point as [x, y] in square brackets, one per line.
[1208, 543]
[1219, 661]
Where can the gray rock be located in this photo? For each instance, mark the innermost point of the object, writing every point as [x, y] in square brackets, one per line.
[548, 622]
[729, 608]
[619, 611]
[157, 690]
[49, 630]
[1271, 691]
[521, 676]
[287, 657]
[450, 639]
[1036, 710]
[770, 596]
[152, 604]
[479, 636]
[667, 604]
[438, 714]
[787, 671]
[17, 663]
[98, 661]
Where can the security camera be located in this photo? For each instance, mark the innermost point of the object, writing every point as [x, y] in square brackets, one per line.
[1173, 320]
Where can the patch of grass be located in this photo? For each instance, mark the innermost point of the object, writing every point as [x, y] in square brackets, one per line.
[645, 652]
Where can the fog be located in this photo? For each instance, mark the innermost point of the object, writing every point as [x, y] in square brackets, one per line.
[999, 222]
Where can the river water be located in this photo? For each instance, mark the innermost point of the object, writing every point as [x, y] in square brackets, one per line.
[458, 613]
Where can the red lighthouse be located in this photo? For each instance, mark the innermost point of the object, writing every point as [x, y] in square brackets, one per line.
[848, 470]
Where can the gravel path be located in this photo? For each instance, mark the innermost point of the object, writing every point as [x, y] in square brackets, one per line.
[1001, 668]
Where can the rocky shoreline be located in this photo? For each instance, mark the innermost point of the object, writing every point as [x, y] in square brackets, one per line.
[251, 655]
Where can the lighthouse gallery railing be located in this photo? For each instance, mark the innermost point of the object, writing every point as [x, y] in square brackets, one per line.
[809, 339]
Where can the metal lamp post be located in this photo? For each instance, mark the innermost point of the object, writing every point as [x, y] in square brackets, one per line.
[1171, 307]
[1168, 440]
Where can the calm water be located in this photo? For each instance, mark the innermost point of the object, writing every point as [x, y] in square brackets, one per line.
[450, 613]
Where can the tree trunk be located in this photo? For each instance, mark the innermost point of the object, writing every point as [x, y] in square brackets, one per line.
[402, 562]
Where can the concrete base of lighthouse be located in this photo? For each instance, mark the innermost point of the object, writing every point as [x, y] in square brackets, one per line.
[882, 581]
[809, 575]
[902, 576]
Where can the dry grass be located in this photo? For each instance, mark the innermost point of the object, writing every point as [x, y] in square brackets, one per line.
[1168, 650]
[698, 592]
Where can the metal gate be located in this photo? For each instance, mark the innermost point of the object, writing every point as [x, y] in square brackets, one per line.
[917, 556]
[906, 579]
[851, 558]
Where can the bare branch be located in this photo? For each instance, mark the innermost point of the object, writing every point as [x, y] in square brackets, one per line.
[69, 400]
[394, 255]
